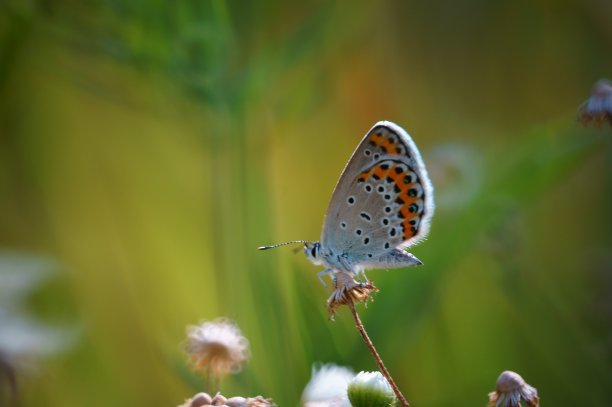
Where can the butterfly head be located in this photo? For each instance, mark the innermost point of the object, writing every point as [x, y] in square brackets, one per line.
[313, 252]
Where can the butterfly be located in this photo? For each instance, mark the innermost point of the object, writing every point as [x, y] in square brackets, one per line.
[382, 204]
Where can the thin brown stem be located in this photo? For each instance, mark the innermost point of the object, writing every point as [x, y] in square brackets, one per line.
[375, 354]
[213, 381]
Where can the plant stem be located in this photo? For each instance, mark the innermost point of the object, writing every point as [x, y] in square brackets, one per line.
[375, 354]
[213, 381]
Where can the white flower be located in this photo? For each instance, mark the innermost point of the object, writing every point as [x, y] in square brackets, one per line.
[370, 389]
[23, 337]
[216, 347]
[327, 387]
[510, 390]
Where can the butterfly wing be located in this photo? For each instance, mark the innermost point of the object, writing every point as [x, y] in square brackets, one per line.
[383, 199]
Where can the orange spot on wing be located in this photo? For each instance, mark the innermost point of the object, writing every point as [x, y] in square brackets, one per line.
[408, 233]
[406, 213]
[385, 143]
[376, 139]
[392, 174]
[404, 192]
[408, 200]
[379, 172]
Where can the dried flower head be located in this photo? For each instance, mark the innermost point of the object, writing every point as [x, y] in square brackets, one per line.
[347, 290]
[598, 108]
[371, 389]
[327, 387]
[257, 401]
[216, 347]
[205, 400]
[510, 390]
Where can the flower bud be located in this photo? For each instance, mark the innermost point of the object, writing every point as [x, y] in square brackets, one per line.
[370, 389]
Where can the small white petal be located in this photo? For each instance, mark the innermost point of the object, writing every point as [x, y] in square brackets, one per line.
[328, 383]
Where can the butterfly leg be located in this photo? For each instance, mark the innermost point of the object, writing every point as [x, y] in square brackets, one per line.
[362, 272]
[321, 273]
[359, 274]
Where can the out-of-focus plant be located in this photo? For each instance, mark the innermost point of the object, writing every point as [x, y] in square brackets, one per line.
[327, 386]
[598, 108]
[511, 390]
[26, 340]
[205, 400]
[216, 348]
[371, 389]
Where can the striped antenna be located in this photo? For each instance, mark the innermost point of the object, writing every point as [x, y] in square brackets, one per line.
[280, 244]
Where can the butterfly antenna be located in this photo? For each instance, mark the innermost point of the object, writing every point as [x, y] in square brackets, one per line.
[280, 244]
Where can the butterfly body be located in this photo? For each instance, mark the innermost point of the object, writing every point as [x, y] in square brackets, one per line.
[342, 262]
[382, 204]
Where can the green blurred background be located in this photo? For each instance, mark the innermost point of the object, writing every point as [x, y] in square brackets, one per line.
[148, 147]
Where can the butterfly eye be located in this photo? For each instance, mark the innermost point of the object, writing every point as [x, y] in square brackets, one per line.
[313, 251]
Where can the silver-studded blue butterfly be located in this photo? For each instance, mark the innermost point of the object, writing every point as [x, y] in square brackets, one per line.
[383, 203]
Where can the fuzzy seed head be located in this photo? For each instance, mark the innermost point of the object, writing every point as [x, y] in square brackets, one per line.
[216, 347]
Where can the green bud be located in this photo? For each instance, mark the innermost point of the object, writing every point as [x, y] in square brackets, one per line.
[370, 389]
